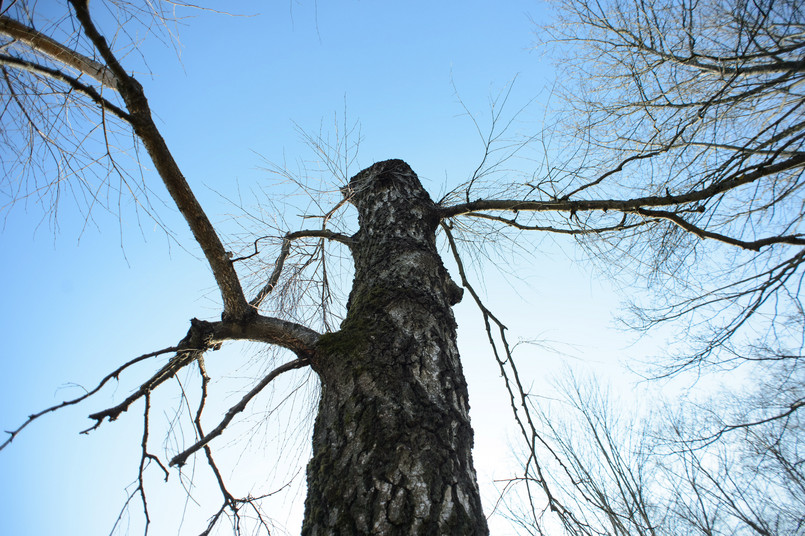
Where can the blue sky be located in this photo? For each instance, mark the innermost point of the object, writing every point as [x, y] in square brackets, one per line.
[79, 303]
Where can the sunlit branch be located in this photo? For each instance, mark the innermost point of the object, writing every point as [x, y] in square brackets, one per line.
[295, 337]
[722, 65]
[746, 149]
[719, 64]
[45, 45]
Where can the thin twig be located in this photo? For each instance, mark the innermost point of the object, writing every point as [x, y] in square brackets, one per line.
[115, 374]
[181, 458]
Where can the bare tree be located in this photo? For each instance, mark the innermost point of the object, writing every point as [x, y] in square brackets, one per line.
[668, 470]
[703, 164]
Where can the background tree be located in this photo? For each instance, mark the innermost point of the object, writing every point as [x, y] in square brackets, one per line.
[391, 444]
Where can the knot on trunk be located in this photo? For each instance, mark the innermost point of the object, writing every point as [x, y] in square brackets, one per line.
[454, 292]
[200, 336]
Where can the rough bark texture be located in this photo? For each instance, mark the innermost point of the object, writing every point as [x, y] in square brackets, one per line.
[392, 440]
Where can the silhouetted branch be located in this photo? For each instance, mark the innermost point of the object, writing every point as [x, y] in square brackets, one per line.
[731, 182]
[235, 305]
[74, 83]
[181, 458]
[283, 255]
[115, 374]
[622, 226]
[754, 245]
[518, 397]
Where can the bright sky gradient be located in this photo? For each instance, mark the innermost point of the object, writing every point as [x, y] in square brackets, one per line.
[78, 304]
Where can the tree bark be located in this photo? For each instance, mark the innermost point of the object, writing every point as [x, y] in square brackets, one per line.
[392, 440]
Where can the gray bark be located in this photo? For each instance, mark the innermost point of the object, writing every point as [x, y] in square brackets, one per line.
[392, 441]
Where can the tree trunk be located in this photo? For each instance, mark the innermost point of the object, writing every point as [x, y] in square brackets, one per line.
[392, 440]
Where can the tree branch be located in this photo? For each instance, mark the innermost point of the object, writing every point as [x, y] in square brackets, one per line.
[115, 374]
[735, 180]
[204, 336]
[720, 65]
[285, 251]
[295, 337]
[792, 408]
[58, 52]
[621, 165]
[181, 458]
[168, 371]
[597, 230]
[518, 398]
[234, 301]
[755, 245]
[55, 74]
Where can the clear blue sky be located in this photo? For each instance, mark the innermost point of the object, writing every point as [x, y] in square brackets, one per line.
[78, 304]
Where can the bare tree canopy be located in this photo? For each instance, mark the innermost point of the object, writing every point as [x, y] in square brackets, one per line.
[677, 161]
[700, 103]
[708, 97]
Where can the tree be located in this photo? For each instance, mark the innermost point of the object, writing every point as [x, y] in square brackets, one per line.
[392, 439]
[677, 469]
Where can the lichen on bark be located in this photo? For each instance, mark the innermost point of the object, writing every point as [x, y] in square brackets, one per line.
[392, 440]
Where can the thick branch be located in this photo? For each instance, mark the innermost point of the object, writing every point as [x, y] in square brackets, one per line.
[627, 205]
[204, 336]
[322, 233]
[295, 337]
[45, 45]
[235, 305]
